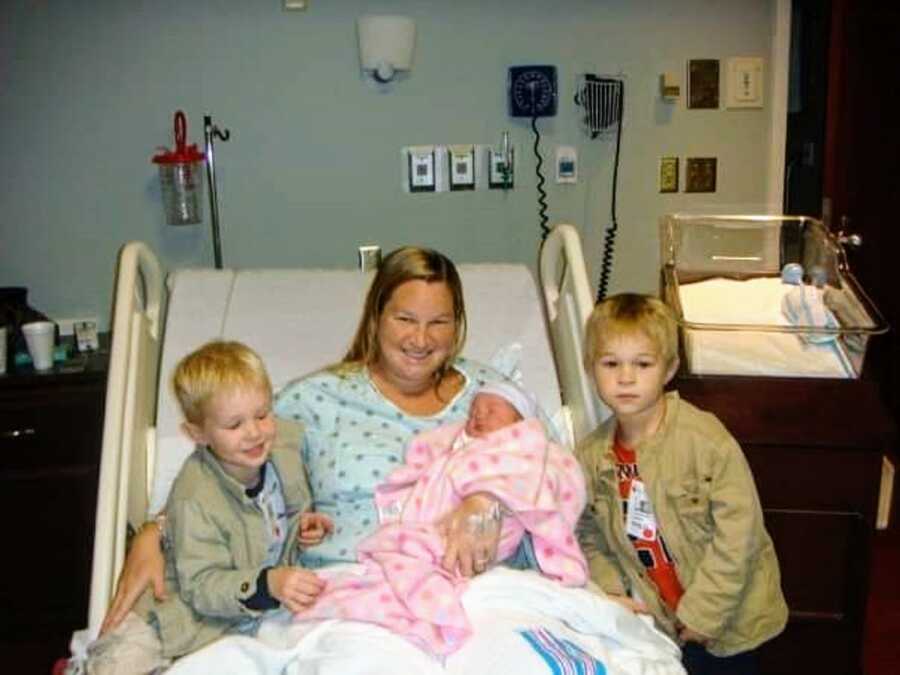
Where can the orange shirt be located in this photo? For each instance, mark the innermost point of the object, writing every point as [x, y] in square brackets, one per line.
[653, 553]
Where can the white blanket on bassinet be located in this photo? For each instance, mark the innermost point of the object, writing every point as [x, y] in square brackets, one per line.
[523, 623]
[753, 302]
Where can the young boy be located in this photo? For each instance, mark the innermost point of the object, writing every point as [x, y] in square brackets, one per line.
[501, 450]
[673, 518]
[232, 517]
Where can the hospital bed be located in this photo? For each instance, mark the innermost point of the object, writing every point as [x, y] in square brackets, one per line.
[300, 320]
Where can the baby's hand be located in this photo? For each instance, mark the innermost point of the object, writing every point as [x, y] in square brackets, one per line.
[314, 527]
[294, 587]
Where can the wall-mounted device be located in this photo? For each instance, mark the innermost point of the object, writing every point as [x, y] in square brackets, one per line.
[744, 82]
[421, 168]
[500, 164]
[566, 164]
[461, 160]
[532, 91]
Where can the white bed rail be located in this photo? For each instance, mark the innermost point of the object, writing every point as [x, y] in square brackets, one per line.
[130, 407]
[569, 302]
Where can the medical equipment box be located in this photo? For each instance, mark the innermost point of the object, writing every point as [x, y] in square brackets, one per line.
[765, 295]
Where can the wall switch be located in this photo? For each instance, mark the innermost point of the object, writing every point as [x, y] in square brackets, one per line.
[461, 164]
[566, 164]
[744, 82]
[700, 174]
[369, 257]
[668, 174]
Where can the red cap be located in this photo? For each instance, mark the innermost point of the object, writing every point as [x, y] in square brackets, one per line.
[183, 153]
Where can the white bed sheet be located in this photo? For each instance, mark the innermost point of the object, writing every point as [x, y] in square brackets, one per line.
[499, 603]
[301, 320]
[755, 302]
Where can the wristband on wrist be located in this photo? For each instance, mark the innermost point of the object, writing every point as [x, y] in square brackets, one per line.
[160, 522]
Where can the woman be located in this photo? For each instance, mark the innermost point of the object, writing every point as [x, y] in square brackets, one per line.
[401, 375]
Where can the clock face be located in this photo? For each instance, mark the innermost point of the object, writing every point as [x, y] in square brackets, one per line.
[532, 91]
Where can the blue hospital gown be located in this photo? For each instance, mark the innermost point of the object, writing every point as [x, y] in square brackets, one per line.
[353, 439]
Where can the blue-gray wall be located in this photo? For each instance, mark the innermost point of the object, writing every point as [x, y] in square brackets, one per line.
[88, 90]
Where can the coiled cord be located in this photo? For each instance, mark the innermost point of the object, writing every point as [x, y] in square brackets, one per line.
[542, 194]
[609, 241]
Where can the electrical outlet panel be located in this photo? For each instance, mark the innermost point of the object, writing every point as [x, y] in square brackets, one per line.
[461, 165]
[369, 257]
[421, 168]
[566, 164]
[700, 174]
[668, 174]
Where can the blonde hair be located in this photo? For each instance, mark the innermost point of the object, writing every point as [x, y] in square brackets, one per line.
[216, 366]
[625, 314]
[409, 263]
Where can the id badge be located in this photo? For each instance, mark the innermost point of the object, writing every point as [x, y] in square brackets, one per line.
[641, 522]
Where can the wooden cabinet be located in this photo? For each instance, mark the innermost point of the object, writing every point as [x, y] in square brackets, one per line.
[50, 439]
[815, 447]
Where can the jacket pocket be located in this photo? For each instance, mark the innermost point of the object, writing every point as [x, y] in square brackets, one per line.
[691, 507]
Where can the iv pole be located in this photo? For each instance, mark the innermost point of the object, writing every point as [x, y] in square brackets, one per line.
[210, 132]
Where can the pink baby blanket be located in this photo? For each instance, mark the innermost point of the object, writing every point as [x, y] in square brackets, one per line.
[403, 586]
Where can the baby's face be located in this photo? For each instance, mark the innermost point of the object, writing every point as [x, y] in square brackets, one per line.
[488, 413]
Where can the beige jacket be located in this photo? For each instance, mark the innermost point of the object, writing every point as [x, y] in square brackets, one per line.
[219, 542]
[709, 514]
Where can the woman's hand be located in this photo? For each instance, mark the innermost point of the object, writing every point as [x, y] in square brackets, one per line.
[314, 527]
[471, 534]
[295, 588]
[144, 565]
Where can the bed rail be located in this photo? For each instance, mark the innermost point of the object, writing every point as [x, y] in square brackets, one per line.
[568, 301]
[130, 408]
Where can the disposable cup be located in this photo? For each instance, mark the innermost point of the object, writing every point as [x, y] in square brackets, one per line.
[39, 337]
[2, 350]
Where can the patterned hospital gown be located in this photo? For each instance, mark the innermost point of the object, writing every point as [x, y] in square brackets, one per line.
[403, 585]
[353, 439]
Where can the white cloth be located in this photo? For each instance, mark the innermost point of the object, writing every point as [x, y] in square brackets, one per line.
[501, 603]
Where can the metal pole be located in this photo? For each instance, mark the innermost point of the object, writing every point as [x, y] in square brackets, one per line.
[210, 131]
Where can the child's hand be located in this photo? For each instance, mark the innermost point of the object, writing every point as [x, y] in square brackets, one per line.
[294, 587]
[314, 527]
[629, 603]
[685, 634]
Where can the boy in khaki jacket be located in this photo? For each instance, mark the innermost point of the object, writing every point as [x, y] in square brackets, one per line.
[673, 522]
[236, 511]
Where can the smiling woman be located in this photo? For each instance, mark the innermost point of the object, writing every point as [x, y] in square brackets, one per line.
[402, 375]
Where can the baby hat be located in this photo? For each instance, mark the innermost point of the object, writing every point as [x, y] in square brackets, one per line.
[524, 403]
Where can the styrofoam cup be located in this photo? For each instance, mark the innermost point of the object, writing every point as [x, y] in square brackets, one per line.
[39, 336]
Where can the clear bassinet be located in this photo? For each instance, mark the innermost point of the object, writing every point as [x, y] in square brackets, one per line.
[724, 278]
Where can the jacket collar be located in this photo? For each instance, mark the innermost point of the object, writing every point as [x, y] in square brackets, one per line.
[233, 486]
[652, 445]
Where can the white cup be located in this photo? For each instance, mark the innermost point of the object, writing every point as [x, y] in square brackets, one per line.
[2, 350]
[39, 336]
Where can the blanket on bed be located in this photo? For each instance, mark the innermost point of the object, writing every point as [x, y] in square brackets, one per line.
[404, 588]
[509, 611]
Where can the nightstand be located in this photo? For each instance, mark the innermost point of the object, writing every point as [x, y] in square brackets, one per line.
[51, 427]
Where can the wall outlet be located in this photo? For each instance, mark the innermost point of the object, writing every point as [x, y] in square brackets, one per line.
[67, 325]
[369, 258]
[668, 174]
